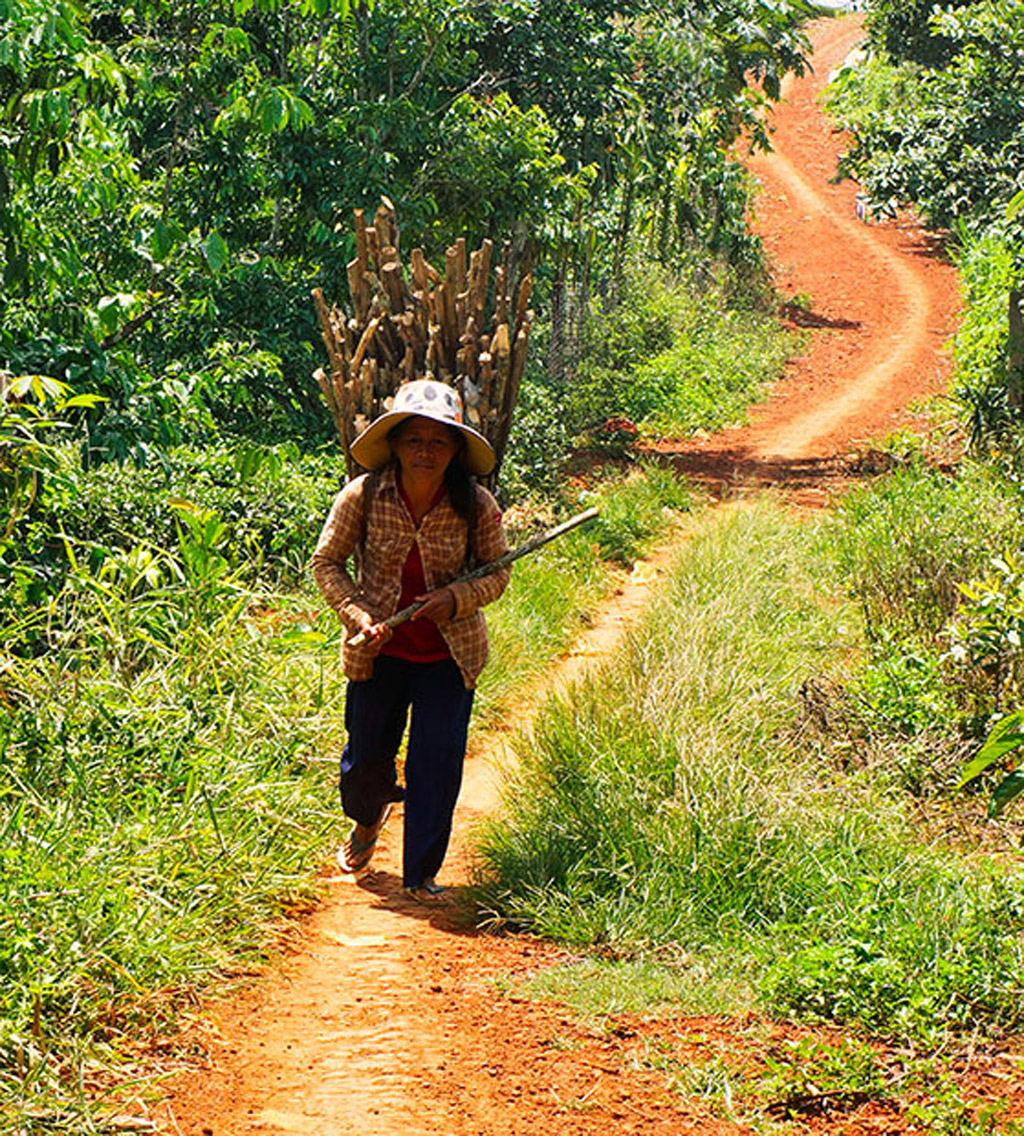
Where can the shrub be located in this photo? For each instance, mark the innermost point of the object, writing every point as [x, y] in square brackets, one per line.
[905, 543]
[274, 500]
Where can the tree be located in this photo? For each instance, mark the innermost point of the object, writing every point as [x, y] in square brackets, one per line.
[903, 29]
[955, 144]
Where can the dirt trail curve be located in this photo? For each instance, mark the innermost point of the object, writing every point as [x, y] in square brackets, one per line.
[883, 296]
[385, 1019]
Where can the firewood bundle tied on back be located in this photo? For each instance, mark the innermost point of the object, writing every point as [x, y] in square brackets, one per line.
[454, 327]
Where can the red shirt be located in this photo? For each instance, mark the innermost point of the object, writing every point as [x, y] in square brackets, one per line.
[416, 640]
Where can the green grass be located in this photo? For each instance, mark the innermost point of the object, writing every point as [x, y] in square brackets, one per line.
[908, 540]
[168, 786]
[646, 986]
[674, 802]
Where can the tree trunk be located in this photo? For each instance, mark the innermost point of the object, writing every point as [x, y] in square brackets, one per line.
[556, 347]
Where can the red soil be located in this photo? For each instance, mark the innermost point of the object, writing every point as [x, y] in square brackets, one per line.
[883, 298]
[388, 1018]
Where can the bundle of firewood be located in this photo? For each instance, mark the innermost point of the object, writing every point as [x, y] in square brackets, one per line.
[424, 325]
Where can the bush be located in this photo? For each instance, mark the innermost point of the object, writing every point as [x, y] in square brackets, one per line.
[906, 542]
[987, 272]
[274, 500]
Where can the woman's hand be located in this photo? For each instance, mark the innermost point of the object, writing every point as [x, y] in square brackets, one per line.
[438, 606]
[375, 634]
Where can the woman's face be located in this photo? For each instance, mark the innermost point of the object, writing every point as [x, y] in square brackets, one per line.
[424, 447]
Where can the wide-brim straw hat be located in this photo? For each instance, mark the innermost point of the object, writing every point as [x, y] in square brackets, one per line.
[423, 398]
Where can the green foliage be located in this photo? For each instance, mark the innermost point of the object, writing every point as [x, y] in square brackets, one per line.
[185, 796]
[906, 543]
[673, 358]
[539, 444]
[175, 179]
[986, 263]
[634, 510]
[904, 688]
[987, 632]
[906, 974]
[1000, 747]
[956, 147]
[495, 167]
[942, 614]
[271, 502]
[30, 406]
[906, 32]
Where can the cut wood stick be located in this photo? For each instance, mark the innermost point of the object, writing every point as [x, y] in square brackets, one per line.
[524, 549]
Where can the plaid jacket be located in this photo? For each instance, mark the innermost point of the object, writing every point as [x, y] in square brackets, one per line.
[390, 533]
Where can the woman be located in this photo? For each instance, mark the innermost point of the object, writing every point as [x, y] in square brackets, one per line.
[413, 524]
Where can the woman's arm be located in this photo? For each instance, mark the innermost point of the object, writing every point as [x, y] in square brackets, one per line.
[340, 537]
[489, 543]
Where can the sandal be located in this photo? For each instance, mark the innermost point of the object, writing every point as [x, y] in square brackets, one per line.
[355, 855]
[429, 892]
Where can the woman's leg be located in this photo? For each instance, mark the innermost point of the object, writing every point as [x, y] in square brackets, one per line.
[375, 716]
[441, 706]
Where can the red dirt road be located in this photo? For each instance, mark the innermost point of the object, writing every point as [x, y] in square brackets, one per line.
[883, 298]
[387, 1018]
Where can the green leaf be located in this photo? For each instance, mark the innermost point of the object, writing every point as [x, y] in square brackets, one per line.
[1016, 206]
[301, 634]
[215, 250]
[272, 112]
[88, 400]
[1007, 789]
[1004, 737]
[162, 242]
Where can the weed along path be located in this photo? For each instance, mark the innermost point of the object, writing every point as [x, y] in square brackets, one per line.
[389, 1018]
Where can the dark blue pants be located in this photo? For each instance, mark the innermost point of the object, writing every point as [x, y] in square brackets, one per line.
[376, 712]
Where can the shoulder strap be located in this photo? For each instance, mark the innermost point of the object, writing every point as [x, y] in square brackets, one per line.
[369, 492]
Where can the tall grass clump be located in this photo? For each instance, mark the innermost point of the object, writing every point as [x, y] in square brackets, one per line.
[921, 553]
[714, 372]
[673, 803]
[907, 541]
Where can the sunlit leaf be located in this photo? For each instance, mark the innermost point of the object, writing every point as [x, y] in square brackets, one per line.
[1015, 206]
[1006, 791]
[215, 250]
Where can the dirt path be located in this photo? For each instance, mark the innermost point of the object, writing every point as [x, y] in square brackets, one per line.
[386, 1018]
[883, 298]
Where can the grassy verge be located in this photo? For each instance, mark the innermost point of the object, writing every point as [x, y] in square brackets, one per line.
[677, 811]
[167, 787]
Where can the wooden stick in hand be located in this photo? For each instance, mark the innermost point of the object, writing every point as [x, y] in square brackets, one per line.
[491, 566]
